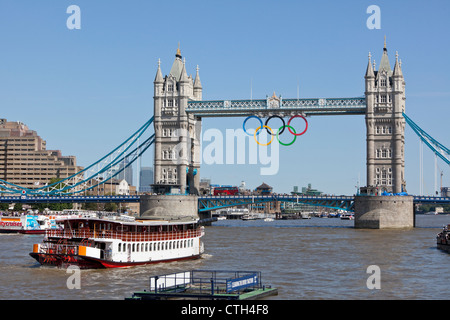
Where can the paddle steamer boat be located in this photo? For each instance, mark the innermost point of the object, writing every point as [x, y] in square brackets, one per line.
[119, 242]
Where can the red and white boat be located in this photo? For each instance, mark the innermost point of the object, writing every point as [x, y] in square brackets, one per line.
[119, 242]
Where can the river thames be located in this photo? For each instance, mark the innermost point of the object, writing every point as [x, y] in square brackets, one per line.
[319, 258]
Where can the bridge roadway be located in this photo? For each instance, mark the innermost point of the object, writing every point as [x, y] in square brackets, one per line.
[208, 203]
[277, 105]
[68, 199]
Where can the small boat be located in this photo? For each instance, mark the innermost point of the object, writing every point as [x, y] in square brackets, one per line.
[306, 215]
[247, 217]
[268, 219]
[347, 216]
[122, 241]
[443, 239]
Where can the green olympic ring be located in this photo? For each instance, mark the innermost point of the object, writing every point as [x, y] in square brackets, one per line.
[279, 131]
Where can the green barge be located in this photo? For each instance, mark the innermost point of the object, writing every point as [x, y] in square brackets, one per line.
[206, 285]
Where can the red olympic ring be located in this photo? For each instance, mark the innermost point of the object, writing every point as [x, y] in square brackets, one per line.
[289, 123]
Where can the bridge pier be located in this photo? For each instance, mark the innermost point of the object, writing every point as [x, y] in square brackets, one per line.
[172, 207]
[380, 212]
[168, 206]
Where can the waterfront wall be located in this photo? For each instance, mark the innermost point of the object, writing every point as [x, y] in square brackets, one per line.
[168, 206]
[379, 212]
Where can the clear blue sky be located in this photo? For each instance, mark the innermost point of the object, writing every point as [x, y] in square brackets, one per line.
[85, 91]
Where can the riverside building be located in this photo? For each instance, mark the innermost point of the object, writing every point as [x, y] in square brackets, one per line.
[25, 161]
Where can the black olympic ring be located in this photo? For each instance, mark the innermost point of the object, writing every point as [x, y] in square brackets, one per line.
[282, 120]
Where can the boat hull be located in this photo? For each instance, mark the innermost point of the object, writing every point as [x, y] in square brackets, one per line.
[63, 261]
[442, 246]
[22, 231]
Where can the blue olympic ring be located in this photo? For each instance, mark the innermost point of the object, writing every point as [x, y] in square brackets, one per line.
[245, 121]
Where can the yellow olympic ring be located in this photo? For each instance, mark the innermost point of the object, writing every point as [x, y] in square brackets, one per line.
[271, 134]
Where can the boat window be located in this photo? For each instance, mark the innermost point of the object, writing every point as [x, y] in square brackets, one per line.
[120, 245]
[146, 247]
[166, 245]
[170, 245]
[158, 246]
[142, 247]
[133, 247]
[184, 244]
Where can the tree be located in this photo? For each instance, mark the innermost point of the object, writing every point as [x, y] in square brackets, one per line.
[110, 206]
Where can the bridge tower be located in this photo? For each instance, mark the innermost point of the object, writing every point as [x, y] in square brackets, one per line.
[385, 100]
[177, 134]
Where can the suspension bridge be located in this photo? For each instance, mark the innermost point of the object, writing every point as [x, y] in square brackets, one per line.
[71, 189]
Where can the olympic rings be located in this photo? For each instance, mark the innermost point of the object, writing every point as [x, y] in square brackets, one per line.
[289, 123]
[290, 143]
[279, 132]
[275, 116]
[245, 121]
[271, 134]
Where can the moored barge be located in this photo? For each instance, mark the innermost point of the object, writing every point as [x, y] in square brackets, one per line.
[119, 242]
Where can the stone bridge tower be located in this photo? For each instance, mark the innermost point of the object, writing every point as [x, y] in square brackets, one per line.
[177, 134]
[385, 100]
[385, 103]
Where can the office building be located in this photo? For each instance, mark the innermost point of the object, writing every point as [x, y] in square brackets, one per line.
[25, 161]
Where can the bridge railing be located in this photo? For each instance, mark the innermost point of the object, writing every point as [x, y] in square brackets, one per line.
[431, 199]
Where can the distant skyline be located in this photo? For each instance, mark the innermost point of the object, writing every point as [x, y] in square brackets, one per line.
[86, 90]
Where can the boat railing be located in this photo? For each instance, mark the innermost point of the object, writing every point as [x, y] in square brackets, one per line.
[125, 236]
[57, 248]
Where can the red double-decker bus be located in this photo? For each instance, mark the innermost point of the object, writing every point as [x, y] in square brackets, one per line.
[225, 191]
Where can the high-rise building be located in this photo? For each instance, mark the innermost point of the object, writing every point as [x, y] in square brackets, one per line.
[25, 161]
[145, 179]
[125, 171]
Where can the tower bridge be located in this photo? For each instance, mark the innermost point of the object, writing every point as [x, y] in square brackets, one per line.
[178, 105]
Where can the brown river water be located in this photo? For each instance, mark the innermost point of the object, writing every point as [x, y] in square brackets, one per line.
[319, 258]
